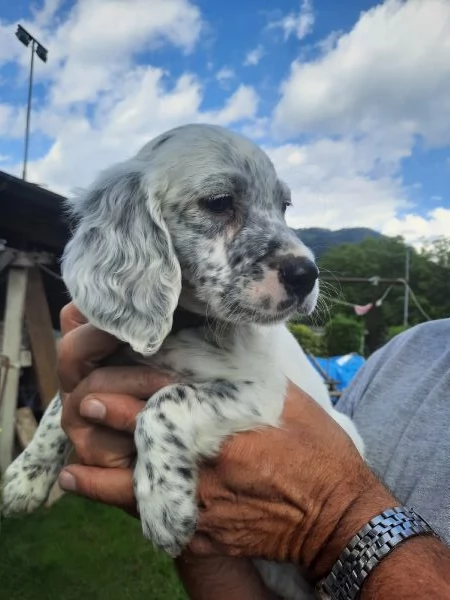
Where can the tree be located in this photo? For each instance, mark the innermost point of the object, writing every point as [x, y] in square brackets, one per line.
[310, 342]
[438, 251]
[385, 257]
[343, 335]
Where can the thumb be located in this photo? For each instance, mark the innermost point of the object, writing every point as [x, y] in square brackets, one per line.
[109, 486]
[117, 411]
[70, 318]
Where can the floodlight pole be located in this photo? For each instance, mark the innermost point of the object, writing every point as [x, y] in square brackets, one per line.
[27, 127]
[36, 47]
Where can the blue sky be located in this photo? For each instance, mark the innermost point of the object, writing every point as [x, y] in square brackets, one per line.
[352, 104]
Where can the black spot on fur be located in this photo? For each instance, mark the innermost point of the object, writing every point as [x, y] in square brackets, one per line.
[174, 440]
[272, 247]
[185, 472]
[181, 393]
[257, 272]
[188, 524]
[236, 259]
[265, 302]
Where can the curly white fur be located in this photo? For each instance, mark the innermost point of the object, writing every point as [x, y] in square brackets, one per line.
[195, 220]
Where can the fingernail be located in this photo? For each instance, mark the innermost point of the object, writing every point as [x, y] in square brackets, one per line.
[93, 409]
[67, 481]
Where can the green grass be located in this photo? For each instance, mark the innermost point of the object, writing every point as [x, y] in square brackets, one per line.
[78, 550]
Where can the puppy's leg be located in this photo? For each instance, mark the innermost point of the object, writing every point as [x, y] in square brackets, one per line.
[180, 425]
[29, 479]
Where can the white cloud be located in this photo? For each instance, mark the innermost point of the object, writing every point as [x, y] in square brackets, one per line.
[101, 105]
[390, 74]
[367, 98]
[90, 52]
[243, 104]
[415, 228]
[367, 102]
[10, 48]
[298, 23]
[338, 184]
[45, 14]
[123, 123]
[254, 56]
[225, 73]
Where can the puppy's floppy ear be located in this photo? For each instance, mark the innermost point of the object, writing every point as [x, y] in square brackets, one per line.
[120, 266]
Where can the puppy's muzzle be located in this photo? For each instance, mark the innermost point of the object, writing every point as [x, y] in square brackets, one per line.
[298, 275]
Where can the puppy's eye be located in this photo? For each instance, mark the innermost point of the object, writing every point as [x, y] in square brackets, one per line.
[219, 205]
[286, 205]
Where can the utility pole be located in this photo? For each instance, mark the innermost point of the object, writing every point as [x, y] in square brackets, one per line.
[406, 296]
[36, 47]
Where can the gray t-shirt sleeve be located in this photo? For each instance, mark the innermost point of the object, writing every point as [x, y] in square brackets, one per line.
[400, 403]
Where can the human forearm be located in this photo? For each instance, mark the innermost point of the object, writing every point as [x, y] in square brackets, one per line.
[221, 578]
[417, 568]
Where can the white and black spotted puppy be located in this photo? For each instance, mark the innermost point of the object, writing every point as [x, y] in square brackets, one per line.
[195, 220]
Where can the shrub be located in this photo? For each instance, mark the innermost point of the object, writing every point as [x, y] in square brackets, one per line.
[395, 330]
[343, 335]
[310, 342]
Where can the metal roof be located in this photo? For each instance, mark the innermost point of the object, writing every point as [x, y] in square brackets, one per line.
[31, 217]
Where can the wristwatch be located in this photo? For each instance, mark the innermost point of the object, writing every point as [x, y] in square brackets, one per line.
[367, 548]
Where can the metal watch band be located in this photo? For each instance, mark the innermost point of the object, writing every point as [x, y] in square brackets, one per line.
[367, 548]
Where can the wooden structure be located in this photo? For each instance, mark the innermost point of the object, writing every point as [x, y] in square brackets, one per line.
[33, 233]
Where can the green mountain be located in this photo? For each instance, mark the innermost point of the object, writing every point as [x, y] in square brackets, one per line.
[320, 240]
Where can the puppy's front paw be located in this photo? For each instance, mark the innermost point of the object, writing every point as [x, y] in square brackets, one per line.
[26, 484]
[166, 503]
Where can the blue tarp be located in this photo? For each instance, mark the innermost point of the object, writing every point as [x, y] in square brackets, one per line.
[340, 368]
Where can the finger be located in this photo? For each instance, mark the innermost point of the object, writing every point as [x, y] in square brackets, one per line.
[118, 411]
[103, 447]
[79, 351]
[211, 488]
[106, 386]
[202, 545]
[253, 513]
[109, 486]
[138, 382]
[70, 318]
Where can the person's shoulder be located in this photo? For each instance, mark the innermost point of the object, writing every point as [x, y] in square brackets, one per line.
[430, 336]
[423, 343]
[438, 330]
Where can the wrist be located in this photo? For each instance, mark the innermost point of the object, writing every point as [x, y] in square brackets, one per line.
[421, 568]
[341, 517]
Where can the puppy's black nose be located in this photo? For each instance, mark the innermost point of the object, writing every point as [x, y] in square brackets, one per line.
[298, 274]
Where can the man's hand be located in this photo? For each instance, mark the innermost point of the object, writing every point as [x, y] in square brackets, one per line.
[299, 492]
[278, 493]
[99, 417]
[94, 397]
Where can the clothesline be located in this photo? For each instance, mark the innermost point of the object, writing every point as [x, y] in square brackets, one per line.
[361, 310]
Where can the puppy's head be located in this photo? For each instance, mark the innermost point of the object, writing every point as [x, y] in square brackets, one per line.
[196, 218]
